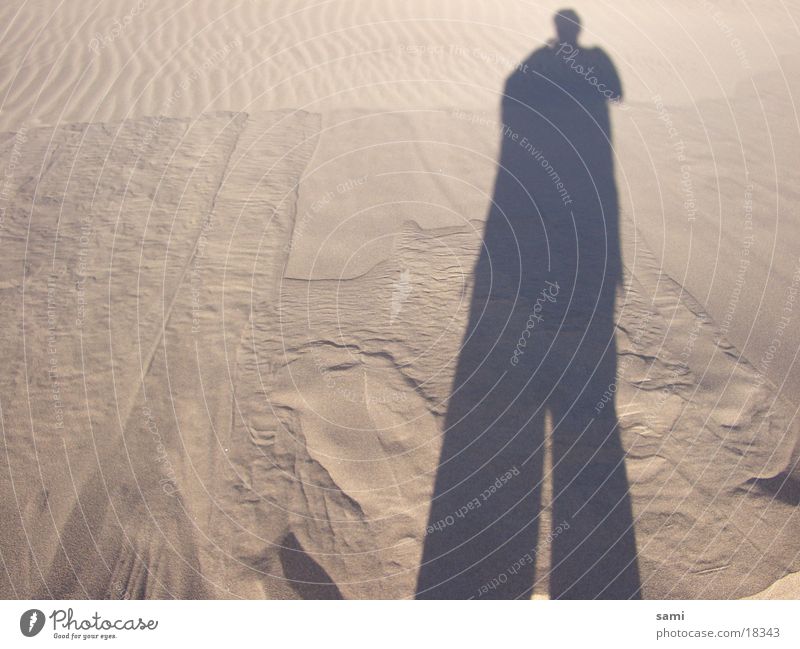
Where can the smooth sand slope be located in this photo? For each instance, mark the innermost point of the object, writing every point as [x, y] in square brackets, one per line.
[242, 262]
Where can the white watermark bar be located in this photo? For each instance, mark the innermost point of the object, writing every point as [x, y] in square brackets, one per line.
[379, 624]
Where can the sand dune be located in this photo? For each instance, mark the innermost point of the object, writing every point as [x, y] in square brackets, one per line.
[241, 268]
[65, 62]
[183, 420]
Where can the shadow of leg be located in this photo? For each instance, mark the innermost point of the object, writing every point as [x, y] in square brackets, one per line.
[483, 526]
[596, 556]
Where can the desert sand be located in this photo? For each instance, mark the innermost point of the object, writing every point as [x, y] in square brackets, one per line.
[263, 282]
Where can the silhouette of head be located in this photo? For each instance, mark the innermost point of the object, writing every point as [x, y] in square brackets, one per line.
[568, 26]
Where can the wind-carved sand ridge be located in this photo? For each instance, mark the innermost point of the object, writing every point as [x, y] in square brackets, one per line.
[117, 481]
[184, 418]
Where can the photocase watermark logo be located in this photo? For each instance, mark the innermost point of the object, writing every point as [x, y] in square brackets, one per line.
[400, 292]
[570, 55]
[31, 622]
[547, 294]
[100, 41]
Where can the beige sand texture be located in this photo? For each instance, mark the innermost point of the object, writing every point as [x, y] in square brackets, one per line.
[239, 251]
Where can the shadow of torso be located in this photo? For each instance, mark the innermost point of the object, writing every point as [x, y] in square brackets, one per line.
[536, 360]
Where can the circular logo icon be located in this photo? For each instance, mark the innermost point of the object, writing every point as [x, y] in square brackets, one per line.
[31, 622]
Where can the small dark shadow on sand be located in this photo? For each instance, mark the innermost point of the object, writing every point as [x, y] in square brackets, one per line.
[308, 579]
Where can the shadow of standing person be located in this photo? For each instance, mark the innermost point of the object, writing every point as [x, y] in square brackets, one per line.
[538, 359]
